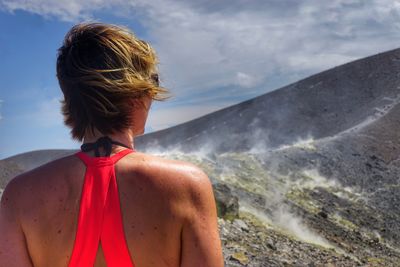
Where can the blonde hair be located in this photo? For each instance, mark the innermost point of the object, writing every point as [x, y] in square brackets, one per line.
[100, 67]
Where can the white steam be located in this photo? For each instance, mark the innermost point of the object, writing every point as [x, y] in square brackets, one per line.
[295, 226]
[304, 143]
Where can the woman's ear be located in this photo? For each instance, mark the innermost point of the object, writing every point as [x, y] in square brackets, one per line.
[155, 79]
[143, 102]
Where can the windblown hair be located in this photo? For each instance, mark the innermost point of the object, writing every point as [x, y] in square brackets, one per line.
[100, 68]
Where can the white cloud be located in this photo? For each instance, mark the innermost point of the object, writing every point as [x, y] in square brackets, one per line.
[246, 80]
[62, 9]
[205, 45]
[202, 47]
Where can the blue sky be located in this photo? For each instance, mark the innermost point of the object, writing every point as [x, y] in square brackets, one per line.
[213, 54]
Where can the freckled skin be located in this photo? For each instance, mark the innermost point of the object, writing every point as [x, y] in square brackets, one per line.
[168, 211]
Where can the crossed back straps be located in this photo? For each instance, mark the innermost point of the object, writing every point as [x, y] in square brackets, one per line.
[100, 218]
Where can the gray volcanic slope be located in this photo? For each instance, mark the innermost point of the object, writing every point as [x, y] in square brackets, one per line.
[14, 165]
[321, 105]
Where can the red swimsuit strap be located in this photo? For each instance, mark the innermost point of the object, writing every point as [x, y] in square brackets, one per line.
[100, 218]
[103, 160]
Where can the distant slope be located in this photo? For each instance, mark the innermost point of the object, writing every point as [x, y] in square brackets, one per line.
[319, 106]
[363, 161]
[35, 158]
[14, 165]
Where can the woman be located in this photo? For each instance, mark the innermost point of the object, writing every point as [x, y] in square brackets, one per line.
[109, 205]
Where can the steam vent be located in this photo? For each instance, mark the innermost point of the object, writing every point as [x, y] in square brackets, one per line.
[306, 175]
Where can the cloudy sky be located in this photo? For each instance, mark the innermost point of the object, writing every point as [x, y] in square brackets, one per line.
[213, 54]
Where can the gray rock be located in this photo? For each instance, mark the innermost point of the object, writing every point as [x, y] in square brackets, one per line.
[241, 224]
[227, 204]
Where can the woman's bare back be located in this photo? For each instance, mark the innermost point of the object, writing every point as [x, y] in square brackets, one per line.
[167, 208]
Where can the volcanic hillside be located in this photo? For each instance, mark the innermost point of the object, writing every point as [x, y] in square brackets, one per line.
[322, 105]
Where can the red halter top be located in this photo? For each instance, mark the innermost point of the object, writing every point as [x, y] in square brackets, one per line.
[100, 218]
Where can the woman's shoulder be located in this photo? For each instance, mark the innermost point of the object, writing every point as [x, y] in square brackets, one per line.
[177, 173]
[159, 163]
[27, 187]
[44, 171]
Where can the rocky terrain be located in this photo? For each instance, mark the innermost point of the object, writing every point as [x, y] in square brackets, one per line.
[294, 219]
[306, 175]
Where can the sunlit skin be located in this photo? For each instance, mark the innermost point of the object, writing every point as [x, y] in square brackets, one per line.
[168, 210]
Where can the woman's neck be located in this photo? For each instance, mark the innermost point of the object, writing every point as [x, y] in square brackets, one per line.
[125, 137]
